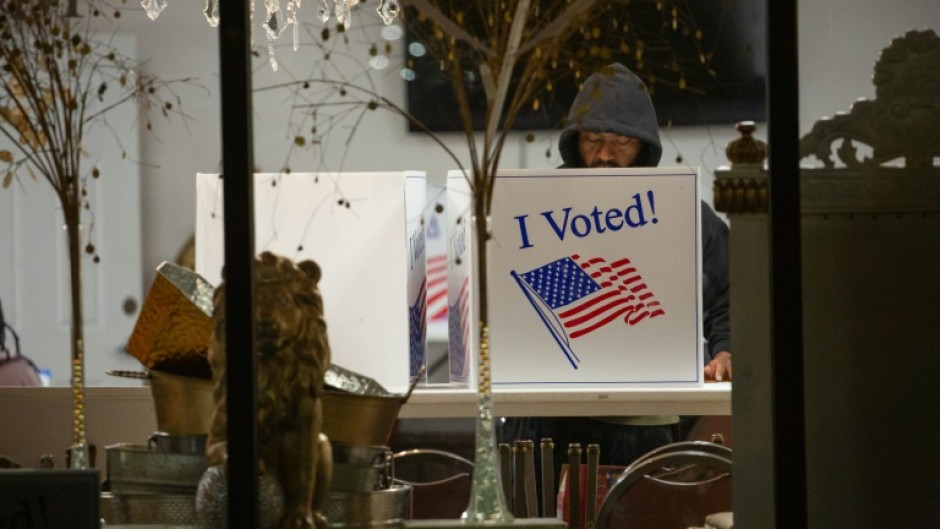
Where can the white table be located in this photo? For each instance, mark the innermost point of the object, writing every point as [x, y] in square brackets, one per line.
[443, 402]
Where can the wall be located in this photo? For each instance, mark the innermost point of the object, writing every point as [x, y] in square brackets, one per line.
[35, 422]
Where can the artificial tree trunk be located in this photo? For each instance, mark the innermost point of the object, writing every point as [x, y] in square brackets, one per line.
[79, 457]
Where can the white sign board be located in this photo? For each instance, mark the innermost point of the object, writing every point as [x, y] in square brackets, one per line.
[366, 232]
[595, 278]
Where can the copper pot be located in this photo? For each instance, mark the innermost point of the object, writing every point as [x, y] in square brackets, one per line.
[357, 410]
[359, 419]
[183, 404]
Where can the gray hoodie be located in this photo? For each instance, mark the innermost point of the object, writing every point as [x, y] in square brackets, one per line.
[613, 100]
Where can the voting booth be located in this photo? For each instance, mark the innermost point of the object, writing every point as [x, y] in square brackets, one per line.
[435, 219]
[366, 232]
[462, 317]
[594, 278]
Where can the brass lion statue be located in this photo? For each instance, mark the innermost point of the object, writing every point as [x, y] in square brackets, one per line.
[292, 356]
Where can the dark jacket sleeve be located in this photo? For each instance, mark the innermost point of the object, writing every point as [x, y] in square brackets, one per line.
[716, 314]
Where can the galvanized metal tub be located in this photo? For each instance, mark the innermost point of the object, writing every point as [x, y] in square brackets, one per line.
[379, 508]
[170, 509]
[360, 468]
[135, 469]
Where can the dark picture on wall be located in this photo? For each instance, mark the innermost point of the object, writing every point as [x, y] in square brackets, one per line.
[717, 77]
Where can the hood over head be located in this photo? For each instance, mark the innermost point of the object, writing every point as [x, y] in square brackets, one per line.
[612, 100]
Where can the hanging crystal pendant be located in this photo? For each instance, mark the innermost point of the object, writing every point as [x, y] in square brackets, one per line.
[343, 9]
[153, 8]
[212, 12]
[275, 24]
[251, 22]
[389, 10]
[272, 22]
[293, 11]
[272, 28]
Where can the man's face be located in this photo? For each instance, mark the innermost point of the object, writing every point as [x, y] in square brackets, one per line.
[604, 149]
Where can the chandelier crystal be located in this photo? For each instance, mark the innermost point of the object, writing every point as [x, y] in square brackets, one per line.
[275, 23]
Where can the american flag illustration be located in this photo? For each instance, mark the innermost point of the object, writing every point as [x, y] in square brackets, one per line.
[437, 287]
[575, 296]
[417, 330]
[458, 333]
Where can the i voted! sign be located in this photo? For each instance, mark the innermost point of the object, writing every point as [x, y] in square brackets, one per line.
[595, 278]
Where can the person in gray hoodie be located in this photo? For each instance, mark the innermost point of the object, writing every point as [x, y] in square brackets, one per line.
[612, 123]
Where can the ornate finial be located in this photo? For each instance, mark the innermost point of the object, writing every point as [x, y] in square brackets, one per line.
[743, 189]
[746, 149]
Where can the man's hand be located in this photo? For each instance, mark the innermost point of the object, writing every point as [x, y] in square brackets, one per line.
[719, 368]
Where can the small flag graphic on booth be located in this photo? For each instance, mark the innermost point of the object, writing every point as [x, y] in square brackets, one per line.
[417, 330]
[458, 330]
[575, 296]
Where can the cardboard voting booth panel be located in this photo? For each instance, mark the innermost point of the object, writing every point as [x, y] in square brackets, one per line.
[436, 235]
[462, 328]
[366, 232]
[595, 278]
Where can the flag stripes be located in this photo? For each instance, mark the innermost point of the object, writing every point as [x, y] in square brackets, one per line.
[437, 287]
[587, 294]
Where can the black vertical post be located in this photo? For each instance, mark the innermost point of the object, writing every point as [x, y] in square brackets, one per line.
[237, 163]
[785, 266]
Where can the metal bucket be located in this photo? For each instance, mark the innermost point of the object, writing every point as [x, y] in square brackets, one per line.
[360, 468]
[135, 469]
[357, 410]
[183, 404]
[171, 509]
[365, 420]
[178, 444]
[380, 508]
